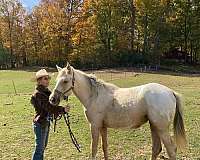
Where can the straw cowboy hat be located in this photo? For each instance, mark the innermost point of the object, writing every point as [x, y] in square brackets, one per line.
[41, 73]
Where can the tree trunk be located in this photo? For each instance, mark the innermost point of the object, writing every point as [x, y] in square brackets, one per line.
[185, 38]
[132, 10]
[109, 36]
[10, 27]
[145, 43]
[191, 53]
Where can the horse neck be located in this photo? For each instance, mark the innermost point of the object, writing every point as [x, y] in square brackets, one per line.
[82, 88]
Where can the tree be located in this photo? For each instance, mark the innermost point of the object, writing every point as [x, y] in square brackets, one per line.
[12, 14]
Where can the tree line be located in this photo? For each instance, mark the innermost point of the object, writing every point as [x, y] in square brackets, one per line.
[99, 33]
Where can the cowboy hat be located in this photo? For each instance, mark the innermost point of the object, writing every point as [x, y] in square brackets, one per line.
[41, 73]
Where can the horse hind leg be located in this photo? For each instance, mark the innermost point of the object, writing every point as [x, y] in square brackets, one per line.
[156, 142]
[168, 143]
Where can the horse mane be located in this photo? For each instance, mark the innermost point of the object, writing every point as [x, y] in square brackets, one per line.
[97, 84]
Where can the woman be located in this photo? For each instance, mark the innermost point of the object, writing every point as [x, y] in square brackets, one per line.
[44, 111]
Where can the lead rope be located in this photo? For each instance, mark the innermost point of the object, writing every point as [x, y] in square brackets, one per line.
[56, 118]
[73, 138]
[67, 121]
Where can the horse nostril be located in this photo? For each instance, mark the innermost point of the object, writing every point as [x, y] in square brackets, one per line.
[65, 97]
[53, 100]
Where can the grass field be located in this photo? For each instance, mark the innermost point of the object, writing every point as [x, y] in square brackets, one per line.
[16, 113]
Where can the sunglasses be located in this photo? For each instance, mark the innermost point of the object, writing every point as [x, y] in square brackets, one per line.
[46, 78]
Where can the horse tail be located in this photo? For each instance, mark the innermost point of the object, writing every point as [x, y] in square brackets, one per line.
[179, 129]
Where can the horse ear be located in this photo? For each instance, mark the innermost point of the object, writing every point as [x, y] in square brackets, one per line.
[68, 67]
[58, 68]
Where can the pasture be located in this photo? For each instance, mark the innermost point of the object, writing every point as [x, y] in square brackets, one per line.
[16, 113]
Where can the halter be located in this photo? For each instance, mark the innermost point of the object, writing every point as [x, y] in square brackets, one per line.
[72, 87]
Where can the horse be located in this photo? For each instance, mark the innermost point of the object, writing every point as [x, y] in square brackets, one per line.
[109, 106]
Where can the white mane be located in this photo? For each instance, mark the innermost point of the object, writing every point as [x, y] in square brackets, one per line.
[97, 84]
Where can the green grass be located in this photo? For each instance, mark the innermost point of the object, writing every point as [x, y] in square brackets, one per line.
[16, 113]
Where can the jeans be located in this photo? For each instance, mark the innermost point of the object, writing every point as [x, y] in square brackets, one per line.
[41, 139]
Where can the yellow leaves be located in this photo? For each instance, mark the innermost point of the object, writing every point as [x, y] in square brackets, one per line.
[76, 39]
[7, 45]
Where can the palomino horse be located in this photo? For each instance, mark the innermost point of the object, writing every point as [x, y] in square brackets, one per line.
[108, 106]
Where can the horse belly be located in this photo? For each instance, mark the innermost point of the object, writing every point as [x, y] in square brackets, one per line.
[124, 118]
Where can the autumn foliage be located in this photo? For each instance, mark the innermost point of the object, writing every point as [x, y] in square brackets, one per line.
[98, 33]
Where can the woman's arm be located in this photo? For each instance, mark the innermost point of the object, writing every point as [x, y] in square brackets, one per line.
[41, 101]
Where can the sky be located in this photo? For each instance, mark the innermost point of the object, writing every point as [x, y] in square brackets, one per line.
[29, 4]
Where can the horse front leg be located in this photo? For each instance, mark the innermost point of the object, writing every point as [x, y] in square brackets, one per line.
[103, 132]
[95, 139]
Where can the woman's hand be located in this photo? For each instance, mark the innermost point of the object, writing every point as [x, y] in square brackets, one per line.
[67, 108]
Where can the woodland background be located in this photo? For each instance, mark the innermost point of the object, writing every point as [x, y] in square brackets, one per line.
[100, 33]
